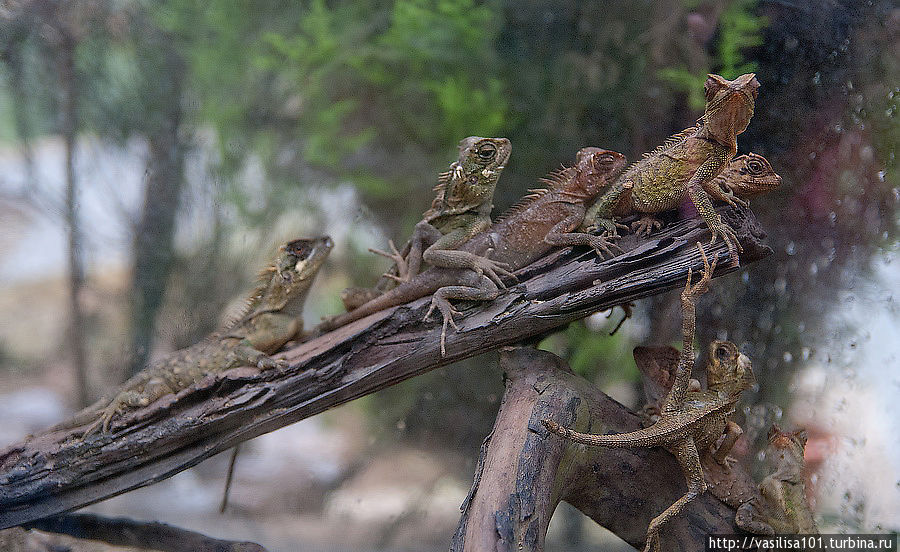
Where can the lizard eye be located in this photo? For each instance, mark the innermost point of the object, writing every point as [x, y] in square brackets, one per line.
[755, 167]
[486, 152]
[606, 159]
[722, 352]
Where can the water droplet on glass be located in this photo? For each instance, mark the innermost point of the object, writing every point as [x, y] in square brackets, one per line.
[788, 357]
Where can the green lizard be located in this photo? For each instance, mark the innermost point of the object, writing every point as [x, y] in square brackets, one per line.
[690, 422]
[685, 164]
[521, 236]
[745, 177]
[461, 208]
[271, 318]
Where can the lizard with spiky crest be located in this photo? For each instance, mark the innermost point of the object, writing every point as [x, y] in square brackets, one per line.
[684, 165]
[521, 236]
[271, 317]
[461, 208]
[691, 421]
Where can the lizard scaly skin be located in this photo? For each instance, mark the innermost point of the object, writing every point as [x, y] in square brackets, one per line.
[685, 164]
[528, 231]
[691, 421]
[461, 209]
[271, 318]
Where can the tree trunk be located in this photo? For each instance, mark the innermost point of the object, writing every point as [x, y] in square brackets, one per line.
[153, 252]
[69, 83]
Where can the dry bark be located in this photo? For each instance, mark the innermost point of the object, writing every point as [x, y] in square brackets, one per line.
[524, 472]
[141, 534]
[55, 471]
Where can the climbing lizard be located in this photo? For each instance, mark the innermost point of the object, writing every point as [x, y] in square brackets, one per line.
[518, 238]
[461, 208]
[685, 164]
[691, 421]
[271, 318]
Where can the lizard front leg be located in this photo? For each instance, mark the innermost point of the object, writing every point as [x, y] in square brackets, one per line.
[443, 253]
[486, 291]
[560, 236]
[732, 432]
[708, 170]
[424, 235]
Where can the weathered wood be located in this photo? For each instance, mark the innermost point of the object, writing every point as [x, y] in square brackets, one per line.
[524, 472]
[142, 534]
[55, 472]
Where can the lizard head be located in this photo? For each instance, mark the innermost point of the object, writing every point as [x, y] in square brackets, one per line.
[729, 106]
[728, 369]
[291, 274]
[748, 176]
[786, 448]
[481, 159]
[596, 168]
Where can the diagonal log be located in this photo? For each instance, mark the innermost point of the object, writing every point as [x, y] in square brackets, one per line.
[524, 471]
[55, 471]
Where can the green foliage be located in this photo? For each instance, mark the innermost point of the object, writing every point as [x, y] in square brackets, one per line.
[594, 354]
[739, 28]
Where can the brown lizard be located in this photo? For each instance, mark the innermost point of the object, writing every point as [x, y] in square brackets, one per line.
[519, 237]
[691, 422]
[684, 165]
[783, 508]
[271, 318]
[779, 504]
[461, 208]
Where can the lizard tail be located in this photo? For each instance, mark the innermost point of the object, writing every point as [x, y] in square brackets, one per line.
[640, 438]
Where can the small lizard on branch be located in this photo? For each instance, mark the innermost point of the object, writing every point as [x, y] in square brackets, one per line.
[271, 318]
[685, 165]
[521, 236]
[461, 208]
[691, 422]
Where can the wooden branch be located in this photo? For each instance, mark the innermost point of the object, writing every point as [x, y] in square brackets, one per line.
[142, 534]
[525, 472]
[56, 471]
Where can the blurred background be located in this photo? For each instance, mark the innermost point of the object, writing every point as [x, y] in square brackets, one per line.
[153, 154]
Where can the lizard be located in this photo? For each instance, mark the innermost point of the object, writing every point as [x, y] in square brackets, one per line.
[684, 165]
[779, 504]
[527, 231]
[783, 507]
[745, 177]
[270, 318]
[690, 422]
[461, 208]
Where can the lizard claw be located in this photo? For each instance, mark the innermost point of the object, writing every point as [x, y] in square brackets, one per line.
[645, 225]
[727, 462]
[690, 292]
[603, 245]
[730, 239]
[447, 311]
[492, 269]
[400, 263]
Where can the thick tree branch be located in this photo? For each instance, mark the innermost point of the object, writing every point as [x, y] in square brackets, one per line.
[143, 534]
[55, 471]
[524, 472]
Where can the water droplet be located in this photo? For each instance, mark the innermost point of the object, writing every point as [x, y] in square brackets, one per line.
[790, 248]
[788, 357]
